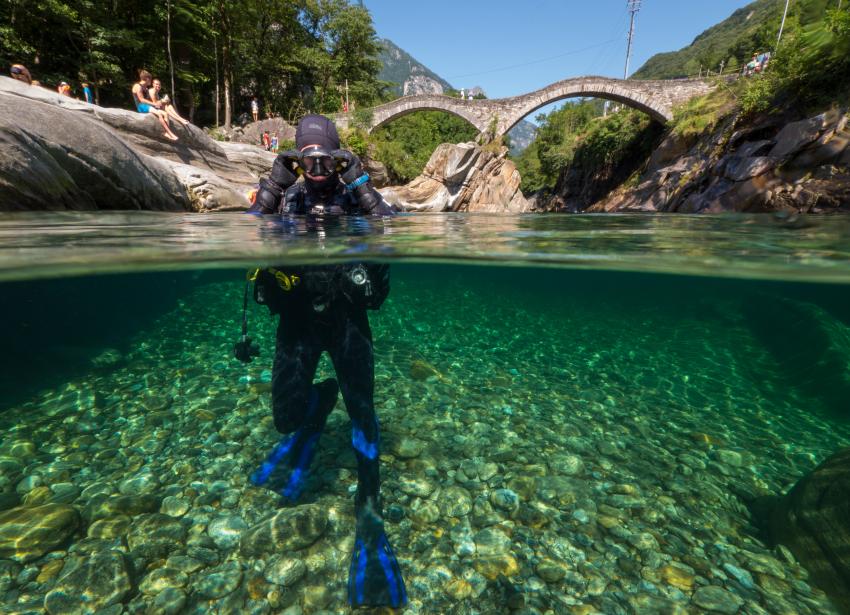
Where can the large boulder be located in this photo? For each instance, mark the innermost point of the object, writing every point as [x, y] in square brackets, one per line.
[463, 177]
[813, 521]
[62, 153]
[51, 158]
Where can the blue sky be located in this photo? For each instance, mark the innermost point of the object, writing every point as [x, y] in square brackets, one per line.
[468, 42]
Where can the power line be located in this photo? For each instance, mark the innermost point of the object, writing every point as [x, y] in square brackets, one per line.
[633, 8]
[529, 63]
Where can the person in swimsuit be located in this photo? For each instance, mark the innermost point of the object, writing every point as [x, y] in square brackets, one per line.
[145, 104]
[158, 96]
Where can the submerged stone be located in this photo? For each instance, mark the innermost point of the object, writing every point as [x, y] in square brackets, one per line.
[289, 529]
[813, 521]
[220, 581]
[96, 583]
[28, 533]
[717, 599]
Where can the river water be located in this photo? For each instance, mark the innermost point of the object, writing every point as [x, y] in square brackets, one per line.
[575, 412]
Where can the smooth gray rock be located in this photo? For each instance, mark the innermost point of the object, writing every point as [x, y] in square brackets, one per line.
[220, 581]
[98, 582]
[287, 530]
[795, 136]
[60, 153]
[717, 599]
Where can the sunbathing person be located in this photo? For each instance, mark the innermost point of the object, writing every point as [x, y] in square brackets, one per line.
[145, 104]
[158, 96]
[20, 72]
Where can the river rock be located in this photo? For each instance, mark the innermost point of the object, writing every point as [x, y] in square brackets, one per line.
[156, 535]
[463, 177]
[813, 521]
[28, 533]
[287, 530]
[717, 599]
[96, 583]
[220, 581]
[285, 570]
[795, 136]
[226, 532]
[408, 448]
[169, 601]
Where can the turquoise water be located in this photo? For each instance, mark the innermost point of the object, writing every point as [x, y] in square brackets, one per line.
[567, 426]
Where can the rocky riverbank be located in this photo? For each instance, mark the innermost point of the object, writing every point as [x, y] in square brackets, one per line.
[763, 166]
[60, 153]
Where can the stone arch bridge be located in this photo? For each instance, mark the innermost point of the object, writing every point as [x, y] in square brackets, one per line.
[657, 98]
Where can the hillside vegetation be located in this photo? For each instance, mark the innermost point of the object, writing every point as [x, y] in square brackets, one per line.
[748, 30]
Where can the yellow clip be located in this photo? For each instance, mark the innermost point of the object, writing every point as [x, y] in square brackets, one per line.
[286, 282]
[252, 275]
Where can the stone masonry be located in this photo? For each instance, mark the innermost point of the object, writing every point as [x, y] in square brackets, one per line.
[657, 98]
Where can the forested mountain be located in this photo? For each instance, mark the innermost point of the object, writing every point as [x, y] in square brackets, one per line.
[733, 41]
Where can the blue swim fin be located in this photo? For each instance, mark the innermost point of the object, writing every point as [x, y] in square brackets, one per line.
[374, 577]
[286, 468]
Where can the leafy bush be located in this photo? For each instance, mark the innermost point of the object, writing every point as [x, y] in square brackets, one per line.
[356, 140]
[405, 144]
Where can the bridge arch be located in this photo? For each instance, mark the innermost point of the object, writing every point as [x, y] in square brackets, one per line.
[635, 97]
[388, 112]
[385, 114]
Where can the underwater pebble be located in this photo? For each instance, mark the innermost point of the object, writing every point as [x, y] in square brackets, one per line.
[226, 532]
[505, 499]
[286, 571]
[717, 599]
[220, 581]
[174, 506]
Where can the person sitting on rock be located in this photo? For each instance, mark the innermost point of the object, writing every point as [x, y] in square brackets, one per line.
[20, 72]
[145, 104]
[165, 101]
[64, 89]
[324, 308]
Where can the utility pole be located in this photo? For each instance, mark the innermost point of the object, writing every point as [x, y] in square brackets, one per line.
[782, 26]
[633, 8]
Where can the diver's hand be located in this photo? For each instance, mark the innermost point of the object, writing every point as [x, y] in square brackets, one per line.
[283, 169]
[352, 168]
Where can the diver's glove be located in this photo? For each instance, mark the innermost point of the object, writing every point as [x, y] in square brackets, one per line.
[357, 182]
[284, 169]
[374, 577]
[352, 168]
[272, 188]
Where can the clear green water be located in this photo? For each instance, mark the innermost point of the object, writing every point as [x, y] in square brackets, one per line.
[632, 412]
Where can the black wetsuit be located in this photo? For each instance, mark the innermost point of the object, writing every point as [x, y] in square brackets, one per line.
[326, 312]
[323, 309]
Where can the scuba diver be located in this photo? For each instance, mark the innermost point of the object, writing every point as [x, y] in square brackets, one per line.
[324, 308]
